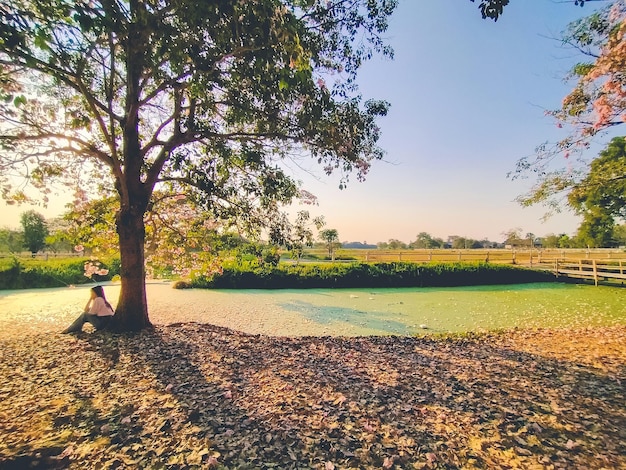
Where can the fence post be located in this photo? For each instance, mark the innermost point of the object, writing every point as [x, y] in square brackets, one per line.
[400, 256]
[459, 255]
[367, 256]
[595, 273]
[621, 269]
[430, 255]
[556, 267]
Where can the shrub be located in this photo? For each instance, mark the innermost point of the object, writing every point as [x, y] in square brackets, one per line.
[363, 275]
[182, 285]
[33, 273]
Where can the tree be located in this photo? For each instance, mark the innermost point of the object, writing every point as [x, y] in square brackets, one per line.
[11, 241]
[596, 104]
[565, 241]
[180, 239]
[604, 187]
[303, 233]
[35, 231]
[330, 237]
[551, 240]
[58, 240]
[204, 98]
[596, 230]
[395, 244]
[600, 197]
[513, 237]
[619, 235]
[425, 240]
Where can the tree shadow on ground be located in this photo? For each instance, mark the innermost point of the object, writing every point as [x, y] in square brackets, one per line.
[198, 396]
[383, 401]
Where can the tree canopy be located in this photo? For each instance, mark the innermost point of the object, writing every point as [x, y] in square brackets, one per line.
[600, 197]
[596, 104]
[330, 237]
[604, 186]
[35, 231]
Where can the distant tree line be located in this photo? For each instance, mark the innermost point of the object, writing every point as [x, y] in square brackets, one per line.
[587, 236]
[62, 235]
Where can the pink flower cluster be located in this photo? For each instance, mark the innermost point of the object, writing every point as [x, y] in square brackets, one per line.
[94, 267]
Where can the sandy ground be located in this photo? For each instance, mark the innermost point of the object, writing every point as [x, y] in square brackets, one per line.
[256, 312]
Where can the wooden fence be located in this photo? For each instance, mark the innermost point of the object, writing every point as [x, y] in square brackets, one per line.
[594, 265]
[588, 269]
[505, 256]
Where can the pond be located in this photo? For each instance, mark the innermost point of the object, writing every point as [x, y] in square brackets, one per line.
[459, 309]
[345, 312]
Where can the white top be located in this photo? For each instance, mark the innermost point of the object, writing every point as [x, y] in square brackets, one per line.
[99, 308]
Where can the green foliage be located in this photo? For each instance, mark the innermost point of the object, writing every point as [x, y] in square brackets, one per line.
[619, 235]
[32, 273]
[424, 241]
[330, 237]
[603, 189]
[369, 275]
[596, 229]
[11, 241]
[35, 231]
[600, 197]
[492, 8]
[91, 224]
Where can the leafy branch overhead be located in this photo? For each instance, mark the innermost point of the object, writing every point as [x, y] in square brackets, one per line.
[493, 8]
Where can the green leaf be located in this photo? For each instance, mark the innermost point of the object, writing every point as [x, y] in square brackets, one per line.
[19, 100]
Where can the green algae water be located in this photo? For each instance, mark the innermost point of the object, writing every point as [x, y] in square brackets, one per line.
[409, 311]
[339, 312]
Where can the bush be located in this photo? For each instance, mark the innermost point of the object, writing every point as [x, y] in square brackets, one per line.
[33, 273]
[364, 275]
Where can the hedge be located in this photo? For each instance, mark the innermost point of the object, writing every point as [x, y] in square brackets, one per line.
[25, 274]
[365, 275]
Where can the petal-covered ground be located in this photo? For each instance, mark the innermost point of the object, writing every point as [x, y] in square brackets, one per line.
[193, 395]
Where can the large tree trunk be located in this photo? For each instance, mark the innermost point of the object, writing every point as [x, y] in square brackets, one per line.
[132, 307]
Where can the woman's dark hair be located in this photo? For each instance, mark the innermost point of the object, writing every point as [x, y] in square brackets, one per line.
[99, 291]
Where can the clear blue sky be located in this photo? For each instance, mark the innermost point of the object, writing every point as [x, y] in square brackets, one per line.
[467, 101]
